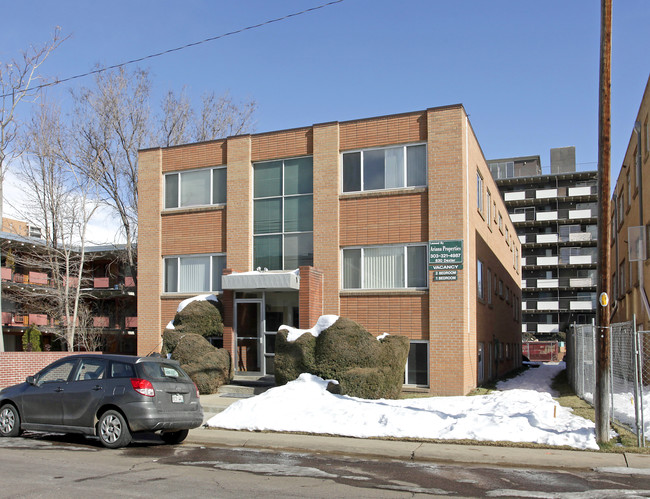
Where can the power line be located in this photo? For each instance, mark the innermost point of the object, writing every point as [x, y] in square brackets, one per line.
[182, 47]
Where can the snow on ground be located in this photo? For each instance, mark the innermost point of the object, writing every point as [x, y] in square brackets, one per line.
[523, 410]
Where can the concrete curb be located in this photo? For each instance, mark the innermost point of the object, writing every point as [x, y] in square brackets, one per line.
[516, 457]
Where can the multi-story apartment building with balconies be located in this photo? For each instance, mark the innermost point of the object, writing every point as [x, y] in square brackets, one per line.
[392, 221]
[555, 215]
[27, 282]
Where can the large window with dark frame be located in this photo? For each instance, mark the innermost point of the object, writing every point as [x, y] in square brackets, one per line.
[193, 273]
[385, 168]
[205, 186]
[283, 213]
[385, 267]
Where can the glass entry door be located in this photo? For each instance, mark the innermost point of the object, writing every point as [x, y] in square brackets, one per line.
[249, 340]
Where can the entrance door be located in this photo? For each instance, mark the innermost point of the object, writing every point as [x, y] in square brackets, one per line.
[248, 327]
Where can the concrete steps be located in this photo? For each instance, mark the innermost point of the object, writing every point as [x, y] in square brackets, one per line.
[246, 385]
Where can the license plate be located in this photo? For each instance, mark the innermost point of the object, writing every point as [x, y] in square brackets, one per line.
[177, 398]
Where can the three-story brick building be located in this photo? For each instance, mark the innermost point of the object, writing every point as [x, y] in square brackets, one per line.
[394, 222]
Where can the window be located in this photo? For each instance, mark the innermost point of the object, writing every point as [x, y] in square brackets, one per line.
[386, 168]
[59, 372]
[517, 260]
[500, 222]
[195, 188]
[646, 132]
[489, 208]
[283, 214]
[385, 267]
[122, 370]
[193, 273]
[500, 288]
[479, 280]
[629, 187]
[479, 192]
[417, 364]
[91, 369]
[507, 236]
[615, 286]
[488, 286]
[502, 170]
[621, 209]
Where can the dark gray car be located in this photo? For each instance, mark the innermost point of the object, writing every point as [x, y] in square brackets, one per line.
[111, 396]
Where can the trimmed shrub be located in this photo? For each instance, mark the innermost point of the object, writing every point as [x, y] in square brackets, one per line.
[204, 317]
[209, 367]
[32, 339]
[296, 357]
[364, 366]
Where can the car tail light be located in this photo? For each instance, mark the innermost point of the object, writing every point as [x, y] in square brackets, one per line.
[143, 387]
[197, 391]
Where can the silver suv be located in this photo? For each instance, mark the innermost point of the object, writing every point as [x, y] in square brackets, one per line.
[111, 396]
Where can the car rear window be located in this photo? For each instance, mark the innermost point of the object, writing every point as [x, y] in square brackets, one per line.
[159, 370]
[122, 370]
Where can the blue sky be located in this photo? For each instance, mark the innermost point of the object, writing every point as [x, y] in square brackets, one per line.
[526, 71]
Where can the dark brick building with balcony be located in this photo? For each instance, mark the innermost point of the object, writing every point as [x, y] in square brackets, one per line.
[109, 293]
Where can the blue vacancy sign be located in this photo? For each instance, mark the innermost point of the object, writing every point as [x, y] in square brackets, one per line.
[446, 255]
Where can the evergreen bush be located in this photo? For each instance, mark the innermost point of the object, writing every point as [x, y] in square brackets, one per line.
[32, 339]
[364, 366]
[209, 367]
[204, 317]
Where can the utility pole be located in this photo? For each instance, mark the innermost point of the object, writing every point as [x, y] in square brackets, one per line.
[601, 401]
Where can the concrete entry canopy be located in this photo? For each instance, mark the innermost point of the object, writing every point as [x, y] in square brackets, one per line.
[266, 280]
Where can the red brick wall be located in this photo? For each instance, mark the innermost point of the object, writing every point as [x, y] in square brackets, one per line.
[194, 231]
[310, 296]
[16, 366]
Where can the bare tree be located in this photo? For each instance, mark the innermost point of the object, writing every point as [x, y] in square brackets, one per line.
[17, 80]
[62, 204]
[111, 124]
[217, 117]
[175, 122]
[221, 117]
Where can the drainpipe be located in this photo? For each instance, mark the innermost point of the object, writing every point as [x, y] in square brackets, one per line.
[639, 183]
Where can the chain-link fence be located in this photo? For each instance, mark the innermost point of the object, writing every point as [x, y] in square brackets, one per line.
[629, 378]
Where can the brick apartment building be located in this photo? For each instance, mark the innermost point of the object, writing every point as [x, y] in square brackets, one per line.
[630, 226]
[394, 222]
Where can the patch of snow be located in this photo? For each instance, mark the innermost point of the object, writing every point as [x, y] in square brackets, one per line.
[513, 414]
[206, 297]
[324, 321]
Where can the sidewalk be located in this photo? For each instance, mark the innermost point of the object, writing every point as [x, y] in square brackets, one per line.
[409, 450]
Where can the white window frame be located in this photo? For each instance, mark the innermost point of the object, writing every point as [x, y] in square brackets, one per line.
[405, 179]
[488, 214]
[405, 270]
[179, 189]
[479, 192]
[406, 367]
[178, 272]
[480, 278]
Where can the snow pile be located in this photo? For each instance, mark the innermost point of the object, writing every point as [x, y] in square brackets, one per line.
[324, 321]
[514, 414]
[184, 303]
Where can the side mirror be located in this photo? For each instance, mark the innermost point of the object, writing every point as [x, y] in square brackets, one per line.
[30, 380]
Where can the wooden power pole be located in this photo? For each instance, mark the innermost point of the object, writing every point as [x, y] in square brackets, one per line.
[601, 400]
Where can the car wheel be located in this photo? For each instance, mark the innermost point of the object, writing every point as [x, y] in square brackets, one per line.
[174, 437]
[9, 421]
[113, 431]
